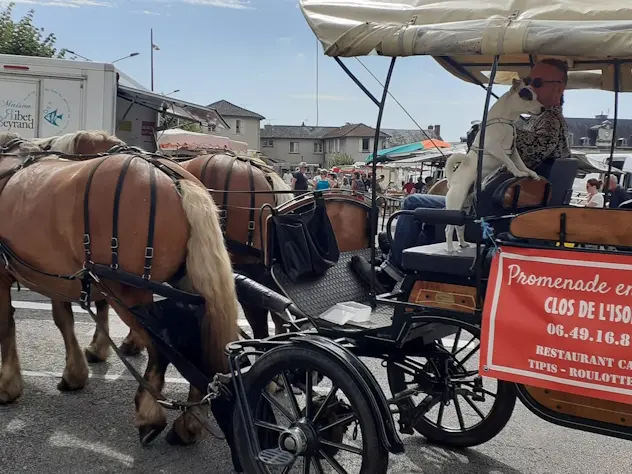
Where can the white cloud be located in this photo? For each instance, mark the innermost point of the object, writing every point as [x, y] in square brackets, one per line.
[146, 12]
[235, 4]
[327, 97]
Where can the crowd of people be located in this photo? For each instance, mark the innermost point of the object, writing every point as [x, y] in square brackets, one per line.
[358, 181]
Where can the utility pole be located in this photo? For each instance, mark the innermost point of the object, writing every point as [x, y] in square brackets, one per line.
[317, 50]
[152, 58]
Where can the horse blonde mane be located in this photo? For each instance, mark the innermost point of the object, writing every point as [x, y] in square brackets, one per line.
[83, 142]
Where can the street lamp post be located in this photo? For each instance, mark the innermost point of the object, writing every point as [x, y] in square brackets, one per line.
[131, 55]
[173, 92]
[78, 55]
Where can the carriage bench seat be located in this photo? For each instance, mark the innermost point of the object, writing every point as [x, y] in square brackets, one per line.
[435, 258]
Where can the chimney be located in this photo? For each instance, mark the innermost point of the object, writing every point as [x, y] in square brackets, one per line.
[437, 131]
[303, 124]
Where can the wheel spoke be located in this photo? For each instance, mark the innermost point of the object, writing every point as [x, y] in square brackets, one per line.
[468, 357]
[440, 416]
[340, 421]
[474, 407]
[471, 385]
[342, 447]
[464, 347]
[309, 402]
[457, 408]
[456, 341]
[307, 463]
[269, 426]
[332, 462]
[273, 401]
[328, 398]
[289, 467]
[291, 396]
[318, 465]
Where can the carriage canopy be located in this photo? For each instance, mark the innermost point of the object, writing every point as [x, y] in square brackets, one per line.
[464, 36]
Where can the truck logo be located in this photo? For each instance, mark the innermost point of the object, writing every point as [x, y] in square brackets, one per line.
[52, 117]
[56, 110]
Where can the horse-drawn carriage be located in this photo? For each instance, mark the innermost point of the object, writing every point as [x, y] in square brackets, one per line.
[300, 399]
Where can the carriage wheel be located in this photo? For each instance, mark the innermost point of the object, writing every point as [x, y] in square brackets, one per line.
[453, 406]
[328, 427]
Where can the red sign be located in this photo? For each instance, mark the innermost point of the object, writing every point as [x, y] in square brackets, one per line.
[147, 128]
[560, 320]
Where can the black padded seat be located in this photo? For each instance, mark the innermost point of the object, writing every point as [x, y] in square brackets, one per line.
[435, 258]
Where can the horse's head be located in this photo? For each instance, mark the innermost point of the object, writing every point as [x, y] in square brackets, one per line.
[84, 142]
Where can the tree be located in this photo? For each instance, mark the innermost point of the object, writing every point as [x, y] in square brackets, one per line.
[24, 38]
[191, 127]
[340, 159]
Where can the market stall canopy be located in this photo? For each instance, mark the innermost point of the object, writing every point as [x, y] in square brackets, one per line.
[169, 106]
[464, 36]
[431, 157]
[593, 163]
[395, 152]
[177, 139]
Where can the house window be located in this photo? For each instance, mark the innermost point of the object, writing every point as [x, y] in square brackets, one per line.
[293, 147]
[238, 127]
[268, 143]
[365, 144]
[318, 147]
[383, 144]
[330, 146]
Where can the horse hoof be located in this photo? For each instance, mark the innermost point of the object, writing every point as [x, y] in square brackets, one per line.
[174, 439]
[129, 349]
[64, 386]
[91, 357]
[149, 433]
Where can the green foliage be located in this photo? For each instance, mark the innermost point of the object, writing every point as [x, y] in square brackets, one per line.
[24, 38]
[340, 159]
[191, 127]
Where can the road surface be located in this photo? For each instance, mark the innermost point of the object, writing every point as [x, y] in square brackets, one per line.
[92, 431]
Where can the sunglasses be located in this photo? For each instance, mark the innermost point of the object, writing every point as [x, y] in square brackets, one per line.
[537, 82]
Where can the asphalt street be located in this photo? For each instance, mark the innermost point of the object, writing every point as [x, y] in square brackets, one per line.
[92, 431]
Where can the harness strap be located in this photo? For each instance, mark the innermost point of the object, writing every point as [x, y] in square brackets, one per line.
[223, 213]
[205, 166]
[86, 215]
[251, 217]
[149, 250]
[114, 243]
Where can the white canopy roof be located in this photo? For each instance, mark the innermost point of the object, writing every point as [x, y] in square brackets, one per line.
[465, 35]
[176, 139]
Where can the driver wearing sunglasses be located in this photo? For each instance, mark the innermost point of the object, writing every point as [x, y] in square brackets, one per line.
[543, 138]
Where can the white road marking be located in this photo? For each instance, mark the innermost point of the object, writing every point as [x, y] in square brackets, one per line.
[108, 377]
[117, 327]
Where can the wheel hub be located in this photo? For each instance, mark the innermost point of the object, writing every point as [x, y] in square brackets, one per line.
[293, 440]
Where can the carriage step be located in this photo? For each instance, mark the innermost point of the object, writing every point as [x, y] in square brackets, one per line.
[275, 457]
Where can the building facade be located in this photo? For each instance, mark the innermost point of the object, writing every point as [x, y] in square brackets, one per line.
[289, 145]
[245, 125]
[598, 132]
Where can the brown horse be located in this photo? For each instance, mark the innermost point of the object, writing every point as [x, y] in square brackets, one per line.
[240, 186]
[54, 226]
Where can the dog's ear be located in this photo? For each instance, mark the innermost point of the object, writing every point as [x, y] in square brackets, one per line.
[515, 84]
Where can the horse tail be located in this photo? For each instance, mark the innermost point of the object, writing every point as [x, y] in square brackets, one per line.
[279, 185]
[452, 163]
[210, 273]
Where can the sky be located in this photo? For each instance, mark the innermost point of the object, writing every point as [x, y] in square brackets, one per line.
[262, 55]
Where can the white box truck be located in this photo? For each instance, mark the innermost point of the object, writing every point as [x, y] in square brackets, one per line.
[42, 97]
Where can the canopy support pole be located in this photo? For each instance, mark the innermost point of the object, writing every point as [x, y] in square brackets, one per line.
[374, 209]
[479, 179]
[376, 141]
[613, 143]
[357, 81]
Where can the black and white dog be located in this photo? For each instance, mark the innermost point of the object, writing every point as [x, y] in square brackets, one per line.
[500, 150]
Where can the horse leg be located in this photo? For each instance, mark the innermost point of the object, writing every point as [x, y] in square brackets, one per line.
[150, 415]
[132, 345]
[258, 320]
[186, 429]
[10, 377]
[76, 371]
[99, 348]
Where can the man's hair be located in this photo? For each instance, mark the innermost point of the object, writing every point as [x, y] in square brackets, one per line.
[559, 65]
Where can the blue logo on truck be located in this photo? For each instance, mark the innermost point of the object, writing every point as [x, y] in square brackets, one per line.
[53, 117]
